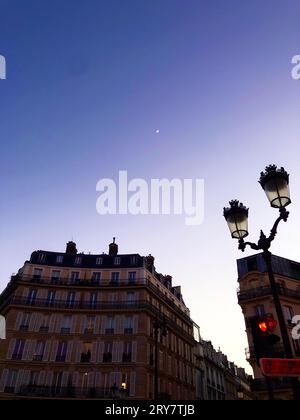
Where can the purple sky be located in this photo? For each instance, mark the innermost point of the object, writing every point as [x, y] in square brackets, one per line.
[89, 83]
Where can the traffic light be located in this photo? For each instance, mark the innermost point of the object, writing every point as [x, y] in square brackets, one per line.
[263, 338]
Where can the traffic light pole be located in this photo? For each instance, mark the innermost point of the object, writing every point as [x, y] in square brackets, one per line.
[264, 245]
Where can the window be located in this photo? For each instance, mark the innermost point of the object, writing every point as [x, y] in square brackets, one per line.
[34, 377]
[31, 296]
[25, 322]
[93, 299]
[18, 350]
[39, 351]
[11, 381]
[107, 355]
[133, 260]
[87, 352]
[78, 260]
[96, 277]
[124, 383]
[128, 329]
[99, 261]
[59, 259]
[117, 260]
[132, 277]
[42, 257]
[260, 310]
[71, 299]
[57, 382]
[89, 324]
[130, 297]
[45, 323]
[66, 326]
[37, 273]
[110, 325]
[75, 277]
[61, 351]
[115, 278]
[55, 276]
[127, 353]
[288, 313]
[51, 297]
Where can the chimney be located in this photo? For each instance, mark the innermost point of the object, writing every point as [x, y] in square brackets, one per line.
[113, 248]
[150, 263]
[71, 248]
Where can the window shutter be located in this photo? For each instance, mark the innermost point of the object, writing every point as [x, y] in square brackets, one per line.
[47, 351]
[54, 351]
[135, 324]
[75, 377]
[52, 323]
[82, 324]
[115, 352]
[98, 380]
[36, 322]
[69, 351]
[132, 384]
[90, 381]
[19, 380]
[134, 351]
[120, 351]
[42, 377]
[25, 378]
[65, 378]
[73, 324]
[97, 325]
[103, 324]
[49, 378]
[18, 321]
[26, 350]
[100, 351]
[78, 351]
[94, 352]
[31, 349]
[119, 324]
[3, 380]
[58, 323]
[11, 348]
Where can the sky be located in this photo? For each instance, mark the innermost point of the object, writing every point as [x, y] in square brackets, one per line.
[88, 85]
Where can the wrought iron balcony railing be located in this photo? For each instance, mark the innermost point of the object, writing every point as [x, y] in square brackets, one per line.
[69, 392]
[102, 283]
[113, 306]
[266, 291]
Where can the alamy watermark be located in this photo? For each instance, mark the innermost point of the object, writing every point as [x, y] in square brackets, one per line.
[296, 68]
[2, 67]
[157, 197]
[296, 329]
[2, 328]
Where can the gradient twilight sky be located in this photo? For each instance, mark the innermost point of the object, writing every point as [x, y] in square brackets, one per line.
[90, 82]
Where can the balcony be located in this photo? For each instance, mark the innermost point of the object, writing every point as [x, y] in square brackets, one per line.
[69, 392]
[44, 329]
[65, 330]
[24, 328]
[37, 357]
[266, 291]
[60, 358]
[120, 305]
[17, 356]
[104, 283]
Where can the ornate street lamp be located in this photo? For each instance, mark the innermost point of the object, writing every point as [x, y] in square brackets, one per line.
[275, 183]
[237, 219]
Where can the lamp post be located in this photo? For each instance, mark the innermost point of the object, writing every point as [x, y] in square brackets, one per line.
[158, 327]
[275, 183]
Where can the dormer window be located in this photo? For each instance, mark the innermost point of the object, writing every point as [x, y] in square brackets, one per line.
[42, 257]
[99, 261]
[133, 260]
[78, 260]
[117, 260]
[59, 259]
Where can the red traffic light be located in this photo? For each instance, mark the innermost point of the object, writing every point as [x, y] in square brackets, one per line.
[280, 367]
[267, 324]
